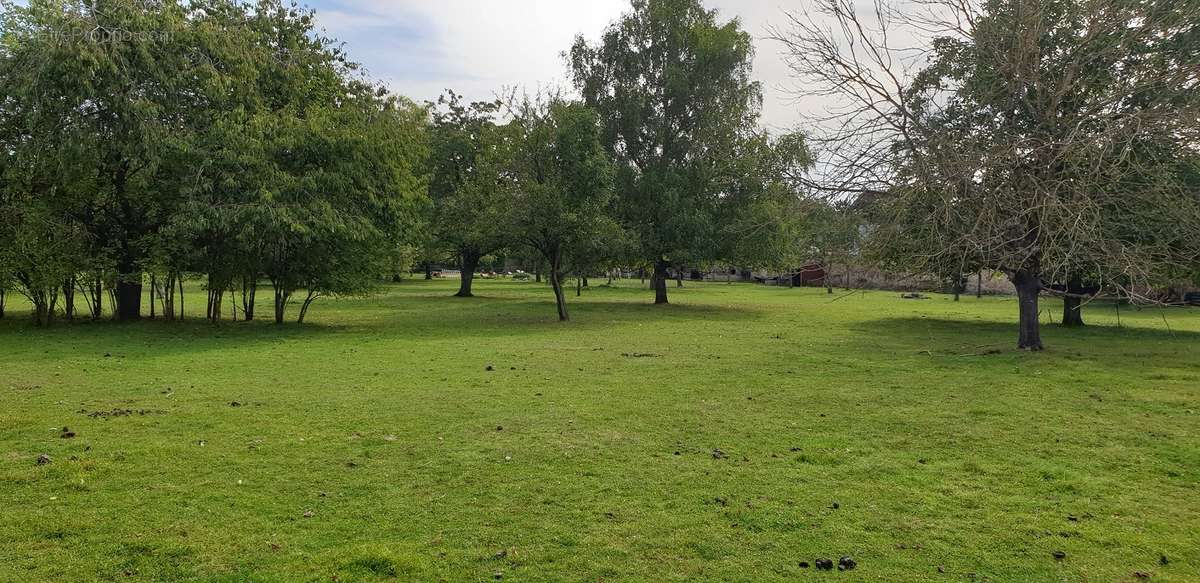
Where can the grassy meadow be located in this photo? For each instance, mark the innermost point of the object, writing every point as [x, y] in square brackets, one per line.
[732, 435]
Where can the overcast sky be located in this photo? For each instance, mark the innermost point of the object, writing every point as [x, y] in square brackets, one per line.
[477, 47]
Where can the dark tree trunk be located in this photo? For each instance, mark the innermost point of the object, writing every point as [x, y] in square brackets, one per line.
[216, 293]
[44, 301]
[578, 286]
[281, 301]
[249, 290]
[470, 260]
[129, 297]
[166, 293]
[3, 297]
[153, 293]
[679, 277]
[428, 270]
[560, 299]
[659, 282]
[308, 300]
[181, 297]
[396, 278]
[129, 289]
[1073, 303]
[97, 307]
[68, 292]
[979, 284]
[585, 281]
[1028, 284]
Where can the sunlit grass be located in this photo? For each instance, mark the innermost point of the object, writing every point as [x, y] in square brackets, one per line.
[730, 436]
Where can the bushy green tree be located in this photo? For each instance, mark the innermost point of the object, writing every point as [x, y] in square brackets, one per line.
[466, 184]
[672, 86]
[561, 187]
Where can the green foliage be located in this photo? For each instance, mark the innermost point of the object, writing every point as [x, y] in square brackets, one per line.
[672, 87]
[216, 137]
[561, 187]
[465, 163]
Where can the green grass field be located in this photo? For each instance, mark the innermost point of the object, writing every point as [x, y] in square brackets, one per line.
[728, 436]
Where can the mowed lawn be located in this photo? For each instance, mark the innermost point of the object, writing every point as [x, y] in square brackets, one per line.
[729, 436]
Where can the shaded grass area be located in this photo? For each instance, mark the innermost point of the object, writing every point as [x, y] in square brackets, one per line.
[728, 436]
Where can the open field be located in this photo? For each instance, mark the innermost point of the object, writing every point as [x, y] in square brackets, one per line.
[728, 436]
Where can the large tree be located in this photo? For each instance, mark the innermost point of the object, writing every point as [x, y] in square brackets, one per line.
[105, 86]
[671, 83]
[1036, 137]
[562, 186]
[466, 165]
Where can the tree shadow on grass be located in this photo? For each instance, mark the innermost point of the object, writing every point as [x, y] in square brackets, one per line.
[487, 317]
[966, 337]
[21, 341]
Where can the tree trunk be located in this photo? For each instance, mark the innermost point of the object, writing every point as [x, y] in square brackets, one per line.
[44, 301]
[153, 290]
[166, 293]
[97, 307]
[3, 297]
[659, 282]
[560, 299]
[679, 277]
[129, 297]
[1073, 304]
[585, 281]
[281, 301]
[979, 284]
[578, 286]
[68, 292]
[129, 289]
[1028, 284]
[181, 297]
[428, 270]
[470, 259]
[308, 300]
[249, 290]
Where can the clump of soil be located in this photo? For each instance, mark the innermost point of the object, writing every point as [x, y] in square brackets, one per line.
[117, 412]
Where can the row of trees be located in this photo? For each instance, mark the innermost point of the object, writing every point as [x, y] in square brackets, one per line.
[143, 141]
[1052, 140]
[149, 143]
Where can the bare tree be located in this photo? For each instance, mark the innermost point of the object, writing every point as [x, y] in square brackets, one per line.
[1042, 138]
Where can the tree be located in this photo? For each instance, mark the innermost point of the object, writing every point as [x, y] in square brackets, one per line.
[562, 186]
[768, 227]
[465, 183]
[105, 82]
[1037, 137]
[672, 87]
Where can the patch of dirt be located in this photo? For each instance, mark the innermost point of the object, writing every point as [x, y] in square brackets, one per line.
[640, 355]
[120, 412]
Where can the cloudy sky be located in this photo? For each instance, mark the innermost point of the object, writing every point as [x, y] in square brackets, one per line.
[478, 47]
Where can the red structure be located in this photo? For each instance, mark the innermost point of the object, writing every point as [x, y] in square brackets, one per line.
[812, 274]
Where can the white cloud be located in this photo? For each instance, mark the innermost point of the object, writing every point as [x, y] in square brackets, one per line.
[478, 47]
